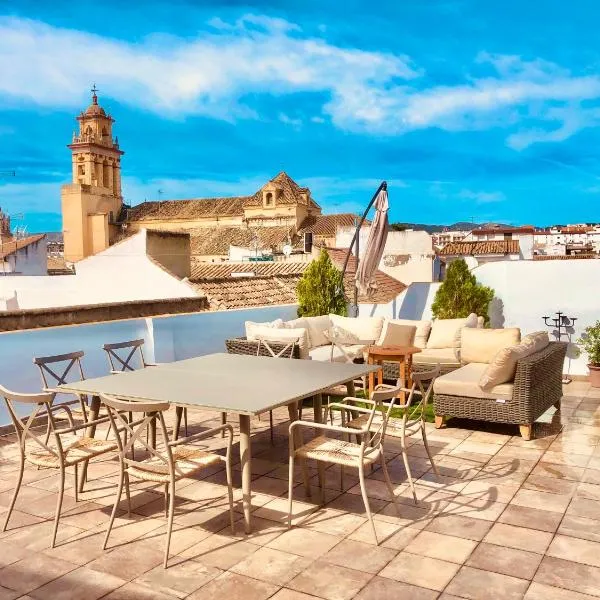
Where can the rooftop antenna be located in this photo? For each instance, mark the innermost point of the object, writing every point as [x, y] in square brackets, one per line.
[160, 193]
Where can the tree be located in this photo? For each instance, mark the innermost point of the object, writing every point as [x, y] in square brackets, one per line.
[320, 290]
[460, 294]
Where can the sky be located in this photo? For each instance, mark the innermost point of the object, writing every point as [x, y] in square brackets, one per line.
[470, 109]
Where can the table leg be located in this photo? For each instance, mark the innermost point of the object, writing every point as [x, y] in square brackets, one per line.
[152, 440]
[350, 388]
[380, 372]
[90, 432]
[246, 464]
[403, 379]
[371, 378]
[178, 415]
[318, 408]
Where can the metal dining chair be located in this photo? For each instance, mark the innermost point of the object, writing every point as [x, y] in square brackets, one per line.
[170, 461]
[61, 449]
[411, 420]
[343, 452]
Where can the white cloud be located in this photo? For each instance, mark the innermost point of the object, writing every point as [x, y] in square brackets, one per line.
[481, 197]
[222, 71]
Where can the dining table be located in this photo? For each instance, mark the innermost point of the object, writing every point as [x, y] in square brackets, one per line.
[243, 385]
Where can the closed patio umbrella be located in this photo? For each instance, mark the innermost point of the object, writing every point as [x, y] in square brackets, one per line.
[369, 263]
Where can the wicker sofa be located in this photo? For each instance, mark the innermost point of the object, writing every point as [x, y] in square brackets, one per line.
[536, 387]
[369, 330]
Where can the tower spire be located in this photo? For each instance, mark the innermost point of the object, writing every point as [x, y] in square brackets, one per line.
[94, 96]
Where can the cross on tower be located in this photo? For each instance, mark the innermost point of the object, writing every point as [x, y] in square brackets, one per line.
[94, 96]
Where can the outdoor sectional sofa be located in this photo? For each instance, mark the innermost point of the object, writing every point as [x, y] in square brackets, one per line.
[530, 382]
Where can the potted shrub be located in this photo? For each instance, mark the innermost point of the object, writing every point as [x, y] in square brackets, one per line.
[590, 342]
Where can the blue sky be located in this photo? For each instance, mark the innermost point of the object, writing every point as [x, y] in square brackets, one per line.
[470, 109]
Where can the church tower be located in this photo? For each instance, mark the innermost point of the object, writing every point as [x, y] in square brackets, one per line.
[92, 202]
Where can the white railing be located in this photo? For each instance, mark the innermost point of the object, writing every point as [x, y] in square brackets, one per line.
[166, 339]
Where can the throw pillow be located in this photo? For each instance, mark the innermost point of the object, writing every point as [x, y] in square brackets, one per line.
[396, 334]
[251, 327]
[361, 329]
[422, 332]
[445, 333]
[317, 329]
[503, 367]
[482, 345]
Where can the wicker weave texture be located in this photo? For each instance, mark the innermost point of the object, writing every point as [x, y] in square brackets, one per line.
[243, 346]
[537, 386]
[391, 370]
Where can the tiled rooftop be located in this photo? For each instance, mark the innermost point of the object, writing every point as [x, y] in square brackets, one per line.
[480, 248]
[507, 519]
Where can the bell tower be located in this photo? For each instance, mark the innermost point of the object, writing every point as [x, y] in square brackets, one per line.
[92, 202]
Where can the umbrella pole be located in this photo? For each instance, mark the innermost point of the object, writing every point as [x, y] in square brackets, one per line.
[355, 242]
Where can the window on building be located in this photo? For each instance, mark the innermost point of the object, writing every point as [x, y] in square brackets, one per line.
[105, 180]
[81, 169]
[269, 199]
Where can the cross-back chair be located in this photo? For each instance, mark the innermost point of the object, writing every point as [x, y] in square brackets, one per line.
[61, 449]
[62, 368]
[123, 356]
[166, 463]
[411, 404]
[343, 452]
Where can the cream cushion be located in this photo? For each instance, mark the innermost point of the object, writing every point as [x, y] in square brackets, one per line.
[396, 334]
[421, 335]
[317, 329]
[324, 353]
[299, 323]
[285, 336]
[504, 365]
[465, 382]
[251, 327]
[361, 329]
[445, 333]
[482, 345]
[442, 356]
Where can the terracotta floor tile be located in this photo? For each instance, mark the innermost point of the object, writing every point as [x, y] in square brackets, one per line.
[575, 549]
[130, 559]
[183, 577]
[569, 575]
[540, 591]
[532, 518]
[305, 542]
[443, 547]
[231, 586]
[475, 507]
[459, 526]
[220, 551]
[584, 507]
[32, 572]
[272, 566]
[553, 485]
[80, 584]
[352, 503]
[580, 527]
[385, 531]
[590, 491]
[334, 522]
[287, 594]
[331, 582]
[559, 471]
[135, 591]
[420, 571]
[6, 594]
[382, 588]
[571, 460]
[360, 556]
[521, 538]
[495, 492]
[541, 500]
[483, 585]
[507, 561]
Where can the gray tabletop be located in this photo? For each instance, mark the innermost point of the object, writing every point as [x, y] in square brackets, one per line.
[226, 382]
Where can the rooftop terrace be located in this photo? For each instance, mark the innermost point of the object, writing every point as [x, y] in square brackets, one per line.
[507, 518]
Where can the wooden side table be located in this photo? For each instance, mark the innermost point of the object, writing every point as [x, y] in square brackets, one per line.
[400, 354]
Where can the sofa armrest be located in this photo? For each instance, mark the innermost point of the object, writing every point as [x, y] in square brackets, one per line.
[538, 379]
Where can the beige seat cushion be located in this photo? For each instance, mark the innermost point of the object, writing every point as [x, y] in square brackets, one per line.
[504, 365]
[445, 333]
[482, 345]
[421, 335]
[465, 382]
[323, 353]
[285, 336]
[361, 329]
[251, 327]
[317, 328]
[442, 356]
[395, 334]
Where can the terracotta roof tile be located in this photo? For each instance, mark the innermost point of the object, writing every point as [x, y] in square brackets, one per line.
[206, 270]
[565, 256]
[326, 225]
[387, 289]
[209, 241]
[480, 248]
[11, 246]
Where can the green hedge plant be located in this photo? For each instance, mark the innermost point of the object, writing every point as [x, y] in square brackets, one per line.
[590, 342]
[460, 294]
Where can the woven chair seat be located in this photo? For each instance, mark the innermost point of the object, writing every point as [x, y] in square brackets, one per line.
[187, 459]
[75, 449]
[335, 451]
[393, 429]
